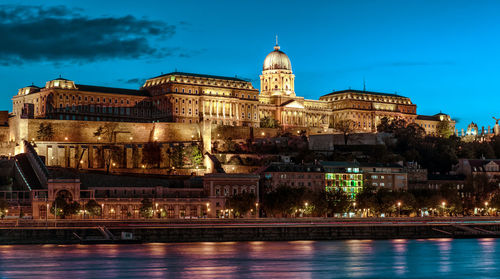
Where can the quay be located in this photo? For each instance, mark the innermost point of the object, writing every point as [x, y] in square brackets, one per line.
[37, 232]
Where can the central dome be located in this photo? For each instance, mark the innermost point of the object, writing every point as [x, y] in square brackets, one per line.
[277, 60]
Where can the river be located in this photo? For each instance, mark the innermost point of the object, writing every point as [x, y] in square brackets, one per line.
[429, 258]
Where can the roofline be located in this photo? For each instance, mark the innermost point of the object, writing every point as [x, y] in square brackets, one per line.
[364, 92]
[201, 75]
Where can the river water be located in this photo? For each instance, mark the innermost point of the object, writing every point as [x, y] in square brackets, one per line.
[429, 258]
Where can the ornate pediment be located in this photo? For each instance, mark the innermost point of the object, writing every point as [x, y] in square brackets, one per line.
[292, 104]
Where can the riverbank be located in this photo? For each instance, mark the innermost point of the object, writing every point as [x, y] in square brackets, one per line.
[72, 231]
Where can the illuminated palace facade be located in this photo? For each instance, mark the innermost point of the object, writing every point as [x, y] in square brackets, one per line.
[191, 98]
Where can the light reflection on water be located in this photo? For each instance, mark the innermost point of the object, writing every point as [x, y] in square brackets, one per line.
[399, 258]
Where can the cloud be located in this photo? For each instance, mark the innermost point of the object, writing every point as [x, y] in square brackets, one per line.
[58, 34]
[133, 81]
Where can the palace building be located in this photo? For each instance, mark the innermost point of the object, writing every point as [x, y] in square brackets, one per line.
[191, 98]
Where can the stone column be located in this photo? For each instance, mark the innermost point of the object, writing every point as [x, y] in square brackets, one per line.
[85, 158]
[50, 156]
[129, 160]
[223, 110]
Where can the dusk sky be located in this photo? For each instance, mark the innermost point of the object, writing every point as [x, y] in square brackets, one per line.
[444, 55]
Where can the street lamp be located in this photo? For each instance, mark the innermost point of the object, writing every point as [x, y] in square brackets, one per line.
[486, 207]
[399, 209]
[354, 205]
[256, 210]
[443, 204]
[102, 211]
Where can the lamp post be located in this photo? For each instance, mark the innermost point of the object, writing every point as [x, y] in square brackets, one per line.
[443, 204]
[257, 210]
[399, 209]
[208, 209]
[354, 205]
[486, 207]
[102, 211]
[156, 210]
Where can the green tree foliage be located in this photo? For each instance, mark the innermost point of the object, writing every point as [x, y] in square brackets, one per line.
[269, 122]
[495, 145]
[151, 154]
[4, 206]
[285, 200]
[345, 126]
[177, 156]
[444, 129]
[93, 208]
[330, 202]
[495, 201]
[64, 208]
[195, 155]
[390, 126]
[381, 200]
[112, 154]
[146, 209]
[230, 146]
[241, 203]
[45, 132]
[449, 194]
[482, 187]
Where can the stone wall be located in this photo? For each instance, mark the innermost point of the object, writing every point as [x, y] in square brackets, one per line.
[19, 235]
[83, 131]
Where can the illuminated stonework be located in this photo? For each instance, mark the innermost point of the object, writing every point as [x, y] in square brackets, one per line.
[367, 108]
[191, 98]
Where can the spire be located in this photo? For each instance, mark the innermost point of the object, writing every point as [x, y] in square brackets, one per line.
[276, 47]
[364, 84]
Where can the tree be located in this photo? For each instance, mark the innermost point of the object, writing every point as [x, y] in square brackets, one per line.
[269, 122]
[241, 203]
[177, 156]
[113, 155]
[64, 208]
[495, 200]
[196, 156]
[146, 209]
[4, 206]
[384, 125]
[366, 198]
[151, 154]
[390, 126]
[57, 207]
[345, 126]
[93, 208]
[106, 132]
[495, 144]
[337, 201]
[229, 145]
[45, 132]
[385, 201]
[454, 203]
[285, 200]
[444, 129]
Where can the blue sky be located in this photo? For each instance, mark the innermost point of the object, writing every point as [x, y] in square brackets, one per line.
[442, 54]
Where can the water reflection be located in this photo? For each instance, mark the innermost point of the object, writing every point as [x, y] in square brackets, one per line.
[399, 247]
[296, 259]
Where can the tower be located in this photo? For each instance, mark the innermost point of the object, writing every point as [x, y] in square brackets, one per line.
[277, 78]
